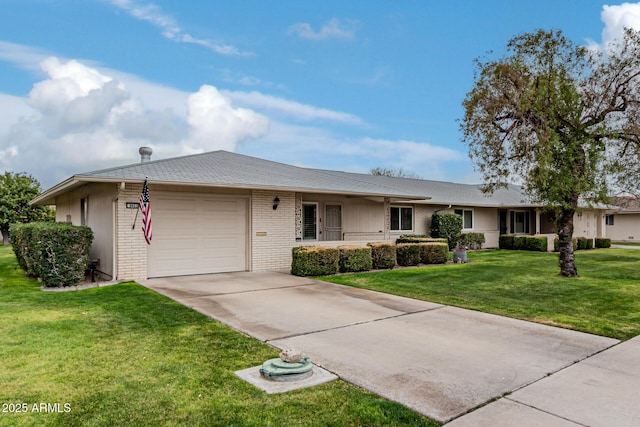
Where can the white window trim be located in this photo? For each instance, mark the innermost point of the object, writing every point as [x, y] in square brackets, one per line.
[317, 222]
[473, 218]
[413, 219]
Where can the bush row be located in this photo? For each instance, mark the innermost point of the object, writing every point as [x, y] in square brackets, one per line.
[324, 261]
[58, 253]
[583, 243]
[523, 243]
[473, 241]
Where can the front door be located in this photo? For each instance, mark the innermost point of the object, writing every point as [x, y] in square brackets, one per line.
[333, 222]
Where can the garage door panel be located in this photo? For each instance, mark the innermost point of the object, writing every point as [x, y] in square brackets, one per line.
[197, 234]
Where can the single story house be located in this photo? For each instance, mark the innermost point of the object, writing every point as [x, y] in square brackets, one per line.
[623, 221]
[222, 212]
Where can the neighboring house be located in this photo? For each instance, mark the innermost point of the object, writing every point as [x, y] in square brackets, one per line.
[623, 222]
[221, 212]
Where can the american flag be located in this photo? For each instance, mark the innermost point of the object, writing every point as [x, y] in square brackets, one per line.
[145, 208]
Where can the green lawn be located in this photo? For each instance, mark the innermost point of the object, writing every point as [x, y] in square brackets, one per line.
[605, 300]
[124, 355]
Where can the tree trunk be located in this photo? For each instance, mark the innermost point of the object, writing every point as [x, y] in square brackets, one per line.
[565, 244]
[5, 236]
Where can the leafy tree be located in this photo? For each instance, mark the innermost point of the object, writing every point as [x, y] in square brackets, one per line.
[562, 119]
[16, 190]
[400, 173]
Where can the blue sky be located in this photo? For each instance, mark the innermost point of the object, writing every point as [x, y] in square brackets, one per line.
[346, 85]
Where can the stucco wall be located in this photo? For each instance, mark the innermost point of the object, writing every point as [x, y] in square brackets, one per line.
[625, 228]
[99, 217]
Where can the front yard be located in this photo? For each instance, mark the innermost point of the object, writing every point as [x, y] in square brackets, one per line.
[124, 355]
[605, 300]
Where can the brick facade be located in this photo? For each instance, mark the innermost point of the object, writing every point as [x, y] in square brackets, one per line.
[273, 232]
[131, 248]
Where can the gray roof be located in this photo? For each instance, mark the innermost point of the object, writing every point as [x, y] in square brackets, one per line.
[225, 169]
[450, 193]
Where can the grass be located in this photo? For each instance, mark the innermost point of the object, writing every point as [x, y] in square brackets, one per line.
[605, 300]
[626, 243]
[124, 355]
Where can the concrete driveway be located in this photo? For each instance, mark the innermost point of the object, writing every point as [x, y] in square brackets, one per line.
[439, 360]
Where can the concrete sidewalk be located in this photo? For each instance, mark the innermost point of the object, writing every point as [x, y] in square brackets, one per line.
[441, 361]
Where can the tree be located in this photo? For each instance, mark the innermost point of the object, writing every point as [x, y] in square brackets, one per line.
[16, 190]
[400, 173]
[562, 119]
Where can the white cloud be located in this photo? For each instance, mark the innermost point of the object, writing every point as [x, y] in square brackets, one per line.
[216, 124]
[319, 147]
[152, 13]
[80, 118]
[291, 108]
[616, 18]
[334, 29]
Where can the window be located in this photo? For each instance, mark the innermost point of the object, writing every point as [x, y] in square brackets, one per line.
[401, 218]
[608, 219]
[84, 211]
[520, 222]
[467, 218]
[309, 221]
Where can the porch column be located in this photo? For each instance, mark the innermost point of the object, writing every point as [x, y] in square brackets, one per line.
[298, 216]
[537, 221]
[387, 218]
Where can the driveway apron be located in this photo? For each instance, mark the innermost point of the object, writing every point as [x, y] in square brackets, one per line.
[439, 360]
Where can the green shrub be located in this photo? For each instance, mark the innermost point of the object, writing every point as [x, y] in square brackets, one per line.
[355, 258]
[520, 243]
[506, 241]
[383, 255]
[434, 252]
[314, 261]
[471, 241]
[19, 244]
[536, 243]
[408, 254]
[58, 253]
[419, 238]
[602, 242]
[584, 243]
[447, 226]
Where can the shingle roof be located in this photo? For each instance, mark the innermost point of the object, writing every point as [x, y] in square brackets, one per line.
[225, 169]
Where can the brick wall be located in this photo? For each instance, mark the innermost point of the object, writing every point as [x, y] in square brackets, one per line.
[272, 231]
[131, 252]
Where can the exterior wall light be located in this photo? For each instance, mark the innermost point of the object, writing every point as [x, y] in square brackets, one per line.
[276, 202]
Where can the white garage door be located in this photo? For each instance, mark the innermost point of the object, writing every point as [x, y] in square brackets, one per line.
[197, 234]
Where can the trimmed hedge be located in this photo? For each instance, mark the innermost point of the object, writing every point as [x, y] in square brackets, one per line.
[58, 253]
[314, 261]
[602, 242]
[355, 258]
[506, 241]
[523, 243]
[447, 226]
[434, 252]
[472, 241]
[383, 255]
[584, 243]
[419, 238]
[408, 254]
[535, 243]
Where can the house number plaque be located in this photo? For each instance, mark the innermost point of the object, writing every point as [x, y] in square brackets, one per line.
[132, 205]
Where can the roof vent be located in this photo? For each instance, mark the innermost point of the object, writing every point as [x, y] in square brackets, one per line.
[145, 154]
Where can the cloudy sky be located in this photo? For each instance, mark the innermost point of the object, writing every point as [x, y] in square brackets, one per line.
[346, 85]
